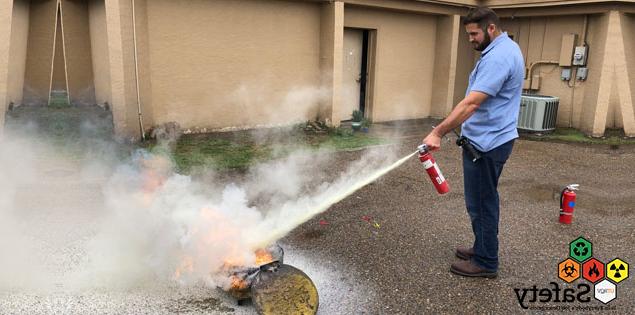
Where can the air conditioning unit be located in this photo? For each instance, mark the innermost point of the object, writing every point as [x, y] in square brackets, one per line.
[538, 112]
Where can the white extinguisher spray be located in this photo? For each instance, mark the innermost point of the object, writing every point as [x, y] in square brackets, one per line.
[433, 170]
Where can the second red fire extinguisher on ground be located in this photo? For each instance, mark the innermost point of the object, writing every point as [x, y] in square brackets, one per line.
[433, 170]
[567, 203]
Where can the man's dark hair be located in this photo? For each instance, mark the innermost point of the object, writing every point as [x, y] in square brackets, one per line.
[483, 16]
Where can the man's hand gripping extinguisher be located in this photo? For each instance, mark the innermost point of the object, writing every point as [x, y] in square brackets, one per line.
[567, 203]
[433, 170]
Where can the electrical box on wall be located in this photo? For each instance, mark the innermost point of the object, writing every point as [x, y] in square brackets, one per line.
[581, 74]
[579, 56]
[535, 82]
[566, 50]
[565, 75]
[526, 85]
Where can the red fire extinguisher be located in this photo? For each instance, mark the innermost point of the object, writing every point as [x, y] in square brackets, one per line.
[567, 203]
[433, 170]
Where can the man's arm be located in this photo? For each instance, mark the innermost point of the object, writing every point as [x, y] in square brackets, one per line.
[459, 114]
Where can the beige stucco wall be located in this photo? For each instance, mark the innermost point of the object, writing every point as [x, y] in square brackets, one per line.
[466, 56]
[99, 50]
[6, 13]
[221, 64]
[628, 24]
[597, 36]
[78, 51]
[404, 64]
[122, 70]
[331, 44]
[59, 75]
[537, 3]
[17, 57]
[540, 39]
[417, 6]
[248, 63]
[40, 51]
[445, 61]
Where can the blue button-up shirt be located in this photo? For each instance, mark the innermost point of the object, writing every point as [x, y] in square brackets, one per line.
[499, 73]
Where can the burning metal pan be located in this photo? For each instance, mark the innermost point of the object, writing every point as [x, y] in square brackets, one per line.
[273, 287]
[242, 277]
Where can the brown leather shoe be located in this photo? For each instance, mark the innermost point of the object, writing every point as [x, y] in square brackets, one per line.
[464, 252]
[469, 269]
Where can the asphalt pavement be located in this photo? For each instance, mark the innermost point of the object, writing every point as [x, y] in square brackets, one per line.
[405, 263]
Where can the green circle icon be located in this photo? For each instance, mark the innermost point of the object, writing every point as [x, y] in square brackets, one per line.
[580, 249]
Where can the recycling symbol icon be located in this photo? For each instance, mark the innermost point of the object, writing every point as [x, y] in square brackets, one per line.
[580, 249]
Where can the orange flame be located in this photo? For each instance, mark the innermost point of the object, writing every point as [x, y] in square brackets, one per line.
[238, 283]
[263, 257]
[154, 173]
[187, 265]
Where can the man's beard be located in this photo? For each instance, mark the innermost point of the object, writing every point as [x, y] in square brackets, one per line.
[486, 41]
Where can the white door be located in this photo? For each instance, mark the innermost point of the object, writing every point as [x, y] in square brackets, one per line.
[352, 62]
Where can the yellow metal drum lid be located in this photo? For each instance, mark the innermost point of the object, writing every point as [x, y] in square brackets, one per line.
[284, 290]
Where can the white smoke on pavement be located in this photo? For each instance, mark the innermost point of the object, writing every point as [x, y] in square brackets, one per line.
[84, 223]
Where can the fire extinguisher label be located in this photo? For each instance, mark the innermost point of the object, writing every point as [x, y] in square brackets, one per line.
[440, 178]
[428, 164]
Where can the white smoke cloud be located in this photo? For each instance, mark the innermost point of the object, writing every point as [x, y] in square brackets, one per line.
[176, 228]
[16, 250]
[263, 105]
[148, 224]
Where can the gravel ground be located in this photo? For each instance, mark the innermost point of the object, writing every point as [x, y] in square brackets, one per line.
[399, 265]
[407, 259]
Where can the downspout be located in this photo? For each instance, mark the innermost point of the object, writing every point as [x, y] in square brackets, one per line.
[68, 88]
[136, 67]
[57, 13]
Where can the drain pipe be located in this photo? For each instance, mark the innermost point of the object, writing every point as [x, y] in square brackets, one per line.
[136, 67]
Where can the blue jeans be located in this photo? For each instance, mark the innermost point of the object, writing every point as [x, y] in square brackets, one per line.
[481, 200]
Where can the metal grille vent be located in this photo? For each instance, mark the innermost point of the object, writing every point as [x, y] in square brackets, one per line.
[538, 112]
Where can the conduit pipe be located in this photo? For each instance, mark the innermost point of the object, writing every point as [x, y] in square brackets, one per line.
[136, 67]
[535, 63]
[584, 29]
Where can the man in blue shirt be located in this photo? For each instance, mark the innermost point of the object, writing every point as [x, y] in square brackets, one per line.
[488, 116]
